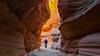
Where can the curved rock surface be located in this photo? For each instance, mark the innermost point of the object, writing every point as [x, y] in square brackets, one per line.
[21, 22]
[79, 18]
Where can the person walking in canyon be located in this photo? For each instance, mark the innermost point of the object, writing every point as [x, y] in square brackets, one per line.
[46, 43]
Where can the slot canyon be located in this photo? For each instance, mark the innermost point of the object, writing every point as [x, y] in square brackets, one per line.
[71, 27]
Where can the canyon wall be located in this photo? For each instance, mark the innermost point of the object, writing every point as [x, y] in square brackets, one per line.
[79, 26]
[21, 22]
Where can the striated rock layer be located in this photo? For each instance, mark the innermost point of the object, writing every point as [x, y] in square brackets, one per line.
[79, 19]
[21, 22]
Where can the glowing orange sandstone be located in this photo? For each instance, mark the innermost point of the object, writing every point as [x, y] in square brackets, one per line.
[54, 18]
[54, 21]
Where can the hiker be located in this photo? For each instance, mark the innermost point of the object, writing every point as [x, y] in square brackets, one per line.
[45, 42]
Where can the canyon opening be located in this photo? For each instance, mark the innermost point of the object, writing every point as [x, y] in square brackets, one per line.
[50, 29]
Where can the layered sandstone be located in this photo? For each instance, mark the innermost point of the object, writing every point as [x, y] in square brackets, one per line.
[21, 22]
[78, 20]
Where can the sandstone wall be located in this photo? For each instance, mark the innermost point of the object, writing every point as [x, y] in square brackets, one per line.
[75, 26]
[21, 22]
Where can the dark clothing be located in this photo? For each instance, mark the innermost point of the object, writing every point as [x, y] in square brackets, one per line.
[46, 42]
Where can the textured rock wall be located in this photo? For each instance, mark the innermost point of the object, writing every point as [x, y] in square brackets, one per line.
[21, 22]
[78, 20]
[11, 33]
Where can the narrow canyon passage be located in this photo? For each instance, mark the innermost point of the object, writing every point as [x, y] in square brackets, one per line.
[49, 32]
[51, 27]
[71, 27]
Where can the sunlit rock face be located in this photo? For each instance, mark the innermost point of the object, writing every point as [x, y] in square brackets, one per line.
[54, 21]
[20, 25]
[56, 38]
[79, 18]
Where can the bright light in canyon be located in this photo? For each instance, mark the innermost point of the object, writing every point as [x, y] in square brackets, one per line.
[54, 21]
[54, 18]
